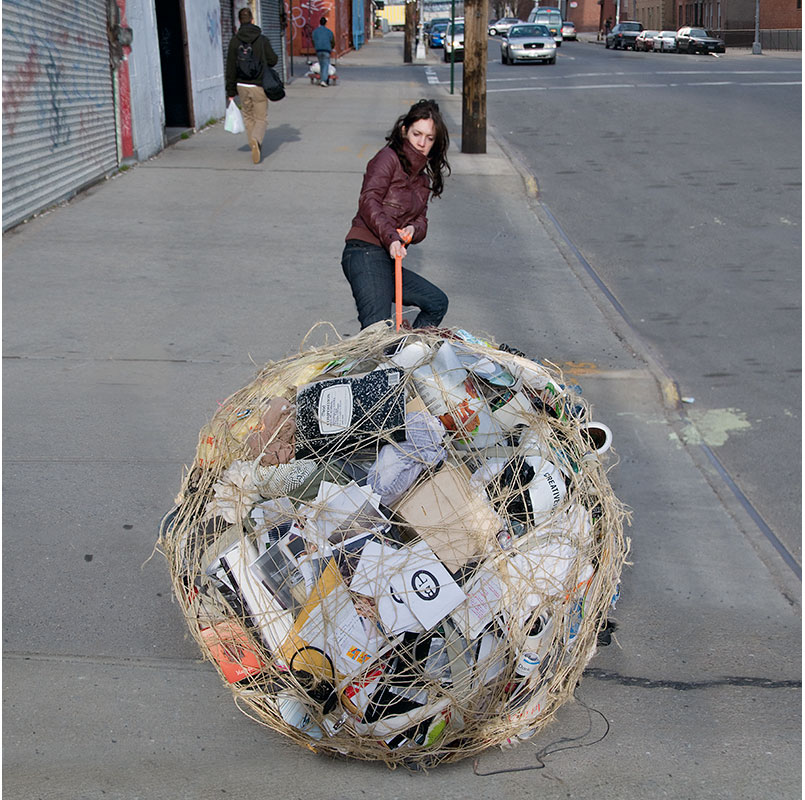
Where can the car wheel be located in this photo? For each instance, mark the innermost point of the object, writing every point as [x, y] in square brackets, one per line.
[606, 45]
[691, 48]
[446, 57]
[552, 60]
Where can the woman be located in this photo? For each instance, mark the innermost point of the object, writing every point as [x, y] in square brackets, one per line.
[392, 211]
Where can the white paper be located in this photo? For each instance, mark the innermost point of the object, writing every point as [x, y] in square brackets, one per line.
[484, 597]
[428, 589]
[377, 575]
[337, 507]
[335, 408]
[335, 627]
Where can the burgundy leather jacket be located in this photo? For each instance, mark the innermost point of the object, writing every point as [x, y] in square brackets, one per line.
[391, 199]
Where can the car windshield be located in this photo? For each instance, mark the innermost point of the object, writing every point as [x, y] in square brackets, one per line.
[630, 26]
[457, 28]
[647, 34]
[698, 32]
[528, 30]
[668, 34]
[549, 17]
[438, 28]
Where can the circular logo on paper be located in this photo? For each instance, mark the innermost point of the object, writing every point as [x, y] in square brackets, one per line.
[425, 584]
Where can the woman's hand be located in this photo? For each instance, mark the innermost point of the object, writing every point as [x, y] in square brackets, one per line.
[397, 249]
[406, 233]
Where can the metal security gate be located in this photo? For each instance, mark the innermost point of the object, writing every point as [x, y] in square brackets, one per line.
[59, 131]
[272, 13]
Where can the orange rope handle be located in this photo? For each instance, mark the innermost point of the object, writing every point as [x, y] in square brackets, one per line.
[398, 281]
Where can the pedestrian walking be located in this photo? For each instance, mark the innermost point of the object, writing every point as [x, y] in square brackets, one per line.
[392, 211]
[324, 42]
[248, 55]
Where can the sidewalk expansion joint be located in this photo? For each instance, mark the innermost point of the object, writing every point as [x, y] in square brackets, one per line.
[194, 665]
[686, 686]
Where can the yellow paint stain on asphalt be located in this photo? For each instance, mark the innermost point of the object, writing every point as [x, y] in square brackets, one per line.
[714, 426]
[361, 151]
[579, 367]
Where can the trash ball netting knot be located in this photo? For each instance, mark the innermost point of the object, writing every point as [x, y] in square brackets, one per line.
[399, 547]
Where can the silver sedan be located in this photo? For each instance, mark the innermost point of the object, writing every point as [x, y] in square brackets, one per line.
[528, 43]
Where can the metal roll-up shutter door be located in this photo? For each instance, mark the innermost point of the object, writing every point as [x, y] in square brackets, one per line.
[59, 130]
[270, 23]
[358, 30]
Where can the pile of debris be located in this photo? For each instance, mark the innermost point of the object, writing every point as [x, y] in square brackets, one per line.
[401, 546]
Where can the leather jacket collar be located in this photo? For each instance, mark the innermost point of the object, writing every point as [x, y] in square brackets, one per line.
[417, 161]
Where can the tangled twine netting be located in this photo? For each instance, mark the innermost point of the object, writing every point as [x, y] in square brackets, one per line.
[400, 546]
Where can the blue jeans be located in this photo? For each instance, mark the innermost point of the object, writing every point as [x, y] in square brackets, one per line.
[324, 63]
[370, 272]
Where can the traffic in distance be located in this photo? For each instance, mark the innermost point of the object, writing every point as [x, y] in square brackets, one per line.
[537, 38]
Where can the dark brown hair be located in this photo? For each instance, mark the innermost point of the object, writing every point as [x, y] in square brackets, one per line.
[245, 15]
[437, 168]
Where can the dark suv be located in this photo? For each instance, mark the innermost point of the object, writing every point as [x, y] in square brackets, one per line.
[623, 35]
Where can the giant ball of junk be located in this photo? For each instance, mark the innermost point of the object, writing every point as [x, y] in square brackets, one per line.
[401, 546]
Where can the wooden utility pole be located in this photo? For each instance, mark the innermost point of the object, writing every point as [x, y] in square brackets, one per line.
[410, 32]
[473, 95]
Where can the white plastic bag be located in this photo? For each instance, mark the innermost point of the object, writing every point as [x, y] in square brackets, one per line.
[234, 120]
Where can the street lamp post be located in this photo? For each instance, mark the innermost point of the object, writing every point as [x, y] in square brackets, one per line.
[756, 48]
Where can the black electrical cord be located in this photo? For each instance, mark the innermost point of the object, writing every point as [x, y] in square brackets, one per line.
[320, 690]
[552, 747]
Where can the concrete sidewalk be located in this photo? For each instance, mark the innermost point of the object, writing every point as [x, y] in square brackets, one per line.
[133, 310]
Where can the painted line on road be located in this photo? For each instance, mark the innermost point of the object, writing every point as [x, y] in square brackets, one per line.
[770, 83]
[730, 72]
[641, 86]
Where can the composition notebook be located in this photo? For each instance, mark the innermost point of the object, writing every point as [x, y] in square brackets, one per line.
[339, 416]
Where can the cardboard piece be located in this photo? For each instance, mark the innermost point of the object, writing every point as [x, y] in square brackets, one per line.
[453, 520]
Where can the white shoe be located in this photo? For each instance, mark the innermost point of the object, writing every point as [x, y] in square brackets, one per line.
[323, 83]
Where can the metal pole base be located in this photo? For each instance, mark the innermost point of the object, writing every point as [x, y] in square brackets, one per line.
[756, 49]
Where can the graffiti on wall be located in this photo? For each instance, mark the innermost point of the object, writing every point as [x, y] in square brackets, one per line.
[304, 19]
[214, 27]
[53, 76]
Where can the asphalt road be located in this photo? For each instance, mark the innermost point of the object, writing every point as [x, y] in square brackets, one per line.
[678, 178]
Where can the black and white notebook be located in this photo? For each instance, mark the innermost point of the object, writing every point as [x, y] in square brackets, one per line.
[338, 416]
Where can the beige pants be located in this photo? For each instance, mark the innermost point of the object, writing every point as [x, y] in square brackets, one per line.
[254, 107]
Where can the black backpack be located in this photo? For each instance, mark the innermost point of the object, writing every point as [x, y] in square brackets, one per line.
[248, 64]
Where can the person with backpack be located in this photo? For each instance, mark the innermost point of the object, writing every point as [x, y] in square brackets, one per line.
[324, 42]
[248, 55]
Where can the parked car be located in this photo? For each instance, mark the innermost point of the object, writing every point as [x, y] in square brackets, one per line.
[502, 25]
[697, 40]
[552, 17]
[527, 43]
[623, 35]
[645, 40]
[454, 41]
[569, 30]
[665, 41]
[428, 26]
[436, 34]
